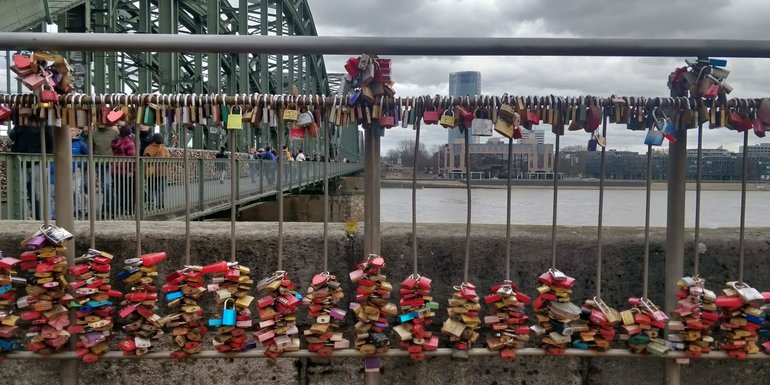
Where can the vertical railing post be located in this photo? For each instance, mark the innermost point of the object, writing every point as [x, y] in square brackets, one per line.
[14, 197]
[62, 153]
[677, 182]
[201, 184]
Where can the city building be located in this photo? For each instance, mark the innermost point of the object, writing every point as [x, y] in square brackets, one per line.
[717, 164]
[461, 84]
[490, 160]
[536, 135]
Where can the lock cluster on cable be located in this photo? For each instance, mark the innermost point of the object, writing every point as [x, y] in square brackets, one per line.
[596, 327]
[182, 290]
[138, 309]
[463, 320]
[693, 320]
[47, 300]
[371, 307]
[9, 320]
[508, 321]
[231, 286]
[322, 300]
[93, 304]
[417, 312]
[742, 318]
[642, 325]
[277, 314]
[554, 312]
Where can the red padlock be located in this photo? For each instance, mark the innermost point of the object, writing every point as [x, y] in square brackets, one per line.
[127, 346]
[22, 62]
[216, 267]
[152, 258]
[115, 115]
[430, 116]
[5, 113]
[48, 95]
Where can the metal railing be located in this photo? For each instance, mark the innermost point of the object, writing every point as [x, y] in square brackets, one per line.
[161, 182]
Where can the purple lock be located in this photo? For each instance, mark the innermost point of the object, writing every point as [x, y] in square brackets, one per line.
[337, 314]
[372, 364]
[381, 324]
[95, 338]
[396, 115]
[37, 242]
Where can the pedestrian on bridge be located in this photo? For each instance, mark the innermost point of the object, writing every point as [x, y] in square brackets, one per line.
[123, 172]
[221, 164]
[157, 171]
[103, 137]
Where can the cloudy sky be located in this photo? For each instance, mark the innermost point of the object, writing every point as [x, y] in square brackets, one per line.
[722, 19]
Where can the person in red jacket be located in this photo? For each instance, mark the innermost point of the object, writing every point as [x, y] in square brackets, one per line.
[123, 172]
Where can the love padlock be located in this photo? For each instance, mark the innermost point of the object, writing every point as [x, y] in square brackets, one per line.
[235, 118]
[430, 115]
[448, 118]
[481, 125]
[228, 315]
[290, 113]
[115, 115]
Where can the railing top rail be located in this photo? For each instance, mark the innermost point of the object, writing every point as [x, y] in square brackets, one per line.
[414, 46]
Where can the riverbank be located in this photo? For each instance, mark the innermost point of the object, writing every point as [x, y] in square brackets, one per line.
[577, 184]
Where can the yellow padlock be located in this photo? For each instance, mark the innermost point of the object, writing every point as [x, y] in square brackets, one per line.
[447, 118]
[291, 114]
[235, 119]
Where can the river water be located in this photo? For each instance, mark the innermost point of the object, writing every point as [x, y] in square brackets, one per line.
[577, 207]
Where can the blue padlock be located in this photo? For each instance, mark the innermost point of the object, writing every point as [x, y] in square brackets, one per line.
[5, 288]
[228, 315]
[717, 62]
[215, 322]
[86, 309]
[126, 273]
[174, 295]
[408, 316]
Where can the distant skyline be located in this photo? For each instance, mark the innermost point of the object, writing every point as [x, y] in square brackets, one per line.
[569, 76]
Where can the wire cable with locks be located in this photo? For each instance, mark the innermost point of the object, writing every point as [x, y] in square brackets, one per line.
[648, 190]
[555, 200]
[742, 236]
[414, 193]
[698, 179]
[600, 229]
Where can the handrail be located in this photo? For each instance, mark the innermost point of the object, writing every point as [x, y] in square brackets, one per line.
[161, 180]
[353, 353]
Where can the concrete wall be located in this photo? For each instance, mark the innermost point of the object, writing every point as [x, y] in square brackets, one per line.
[441, 258]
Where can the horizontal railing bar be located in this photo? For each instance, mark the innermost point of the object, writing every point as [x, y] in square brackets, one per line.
[353, 353]
[413, 46]
[178, 100]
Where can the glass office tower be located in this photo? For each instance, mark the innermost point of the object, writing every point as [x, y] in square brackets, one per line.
[461, 84]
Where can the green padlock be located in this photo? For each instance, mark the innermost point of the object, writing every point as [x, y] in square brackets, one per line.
[223, 112]
[149, 115]
[412, 114]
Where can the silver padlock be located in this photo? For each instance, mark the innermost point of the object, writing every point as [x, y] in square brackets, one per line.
[747, 293]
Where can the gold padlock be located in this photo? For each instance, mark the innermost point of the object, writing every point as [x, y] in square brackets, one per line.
[291, 114]
[448, 118]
